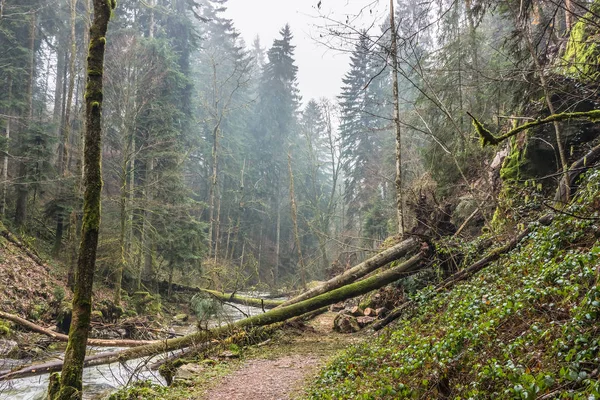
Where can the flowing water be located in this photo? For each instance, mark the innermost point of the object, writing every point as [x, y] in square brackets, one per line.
[104, 379]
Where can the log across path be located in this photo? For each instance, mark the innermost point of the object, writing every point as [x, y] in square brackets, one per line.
[246, 301]
[64, 338]
[270, 317]
[394, 253]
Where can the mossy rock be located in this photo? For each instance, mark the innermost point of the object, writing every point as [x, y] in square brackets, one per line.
[582, 55]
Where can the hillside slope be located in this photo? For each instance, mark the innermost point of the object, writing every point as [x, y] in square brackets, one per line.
[527, 327]
[26, 287]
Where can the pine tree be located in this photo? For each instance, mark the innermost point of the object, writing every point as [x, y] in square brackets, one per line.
[276, 124]
[364, 111]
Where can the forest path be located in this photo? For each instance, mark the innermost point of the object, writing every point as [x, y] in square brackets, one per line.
[281, 370]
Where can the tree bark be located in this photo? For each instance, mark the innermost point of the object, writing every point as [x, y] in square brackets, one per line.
[393, 253]
[71, 377]
[398, 181]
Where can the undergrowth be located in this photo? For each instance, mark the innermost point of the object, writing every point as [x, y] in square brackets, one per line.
[524, 328]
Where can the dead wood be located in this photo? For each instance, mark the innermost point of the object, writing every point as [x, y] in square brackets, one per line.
[394, 253]
[246, 301]
[64, 338]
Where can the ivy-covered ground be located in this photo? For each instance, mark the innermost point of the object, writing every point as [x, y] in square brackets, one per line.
[526, 327]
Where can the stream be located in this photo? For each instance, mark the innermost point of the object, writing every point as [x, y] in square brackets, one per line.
[101, 380]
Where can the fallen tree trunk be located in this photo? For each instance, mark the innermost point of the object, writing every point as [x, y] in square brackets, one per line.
[54, 366]
[246, 301]
[353, 274]
[64, 338]
[270, 317]
[467, 272]
[192, 351]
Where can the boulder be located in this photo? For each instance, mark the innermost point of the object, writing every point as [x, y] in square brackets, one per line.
[188, 372]
[345, 323]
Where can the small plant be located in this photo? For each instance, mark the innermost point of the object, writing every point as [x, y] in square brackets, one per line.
[204, 306]
[58, 294]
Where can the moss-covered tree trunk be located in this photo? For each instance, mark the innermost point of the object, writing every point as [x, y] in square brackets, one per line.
[245, 301]
[353, 274]
[71, 378]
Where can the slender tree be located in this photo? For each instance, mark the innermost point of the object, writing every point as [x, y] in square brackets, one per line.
[71, 385]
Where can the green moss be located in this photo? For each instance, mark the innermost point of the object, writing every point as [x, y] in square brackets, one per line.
[582, 55]
[4, 328]
[485, 135]
[513, 164]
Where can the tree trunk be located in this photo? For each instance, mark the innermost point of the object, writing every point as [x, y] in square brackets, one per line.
[295, 223]
[546, 88]
[577, 168]
[218, 226]
[277, 242]
[398, 181]
[66, 133]
[22, 186]
[5, 158]
[213, 191]
[170, 287]
[360, 270]
[122, 220]
[147, 273]
[245, 301]
[71, 377]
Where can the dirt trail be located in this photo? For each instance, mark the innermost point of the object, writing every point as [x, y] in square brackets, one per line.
[280, 373]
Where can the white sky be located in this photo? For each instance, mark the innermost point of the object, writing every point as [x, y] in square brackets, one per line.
[320, 70]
